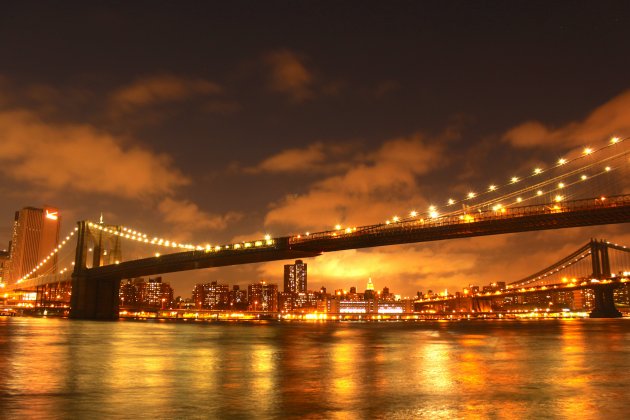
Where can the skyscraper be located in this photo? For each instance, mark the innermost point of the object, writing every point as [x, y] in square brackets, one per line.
[295, 277]
[4, 265]
[35, 235]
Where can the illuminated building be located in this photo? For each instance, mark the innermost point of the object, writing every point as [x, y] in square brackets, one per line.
[295, 277]
[357, 307]
[262, 297]
[238, 298]
[35, 235]
[146, 294]
[212, 296]
[4, 263]
[254, 296]
[622, 295]
[369, 291]
[128, 293]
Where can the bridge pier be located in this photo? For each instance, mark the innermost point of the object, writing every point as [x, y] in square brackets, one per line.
[96, 299]
[605, 303]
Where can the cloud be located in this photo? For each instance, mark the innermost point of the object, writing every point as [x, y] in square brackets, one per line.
[385, 88]
[315, 158]
[376, 185]
[292, 160]
[80, 157]
[189, 218]
[289, 75]
[157, 89]
[611, 118]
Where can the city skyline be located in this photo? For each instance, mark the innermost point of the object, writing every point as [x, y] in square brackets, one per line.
[220, 142]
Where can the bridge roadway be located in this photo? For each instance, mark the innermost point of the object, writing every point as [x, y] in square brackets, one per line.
[518, 219]
[95, 290]
[528, 218]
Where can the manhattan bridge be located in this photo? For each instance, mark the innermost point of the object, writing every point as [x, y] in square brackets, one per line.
[589, 187]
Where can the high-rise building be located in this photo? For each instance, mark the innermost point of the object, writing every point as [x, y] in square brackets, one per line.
[369, 291]
[295, 277]
[35, 235]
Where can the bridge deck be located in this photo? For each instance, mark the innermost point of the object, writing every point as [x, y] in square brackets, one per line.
[569, 214]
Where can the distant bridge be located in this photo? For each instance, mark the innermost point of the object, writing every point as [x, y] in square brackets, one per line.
[589, 267]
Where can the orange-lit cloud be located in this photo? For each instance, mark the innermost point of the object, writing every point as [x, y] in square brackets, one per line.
[188, 218]
[314, 158]
[158, 89]
[289, 75]
[611, 118]
[377, 185]
[80, 157]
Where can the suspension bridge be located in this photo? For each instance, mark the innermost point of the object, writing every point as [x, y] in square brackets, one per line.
[587, 188]
[599, 266]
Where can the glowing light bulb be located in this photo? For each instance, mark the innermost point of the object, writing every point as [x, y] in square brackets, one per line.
[514, 179]
[539, 192]
[451, 201]
[537, 171]
[588, 150]
[562, 161]
[413, 213]
[492, 187]
[614, 140]
[471, 195]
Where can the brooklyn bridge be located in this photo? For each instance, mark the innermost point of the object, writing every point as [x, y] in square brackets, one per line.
[590, 188]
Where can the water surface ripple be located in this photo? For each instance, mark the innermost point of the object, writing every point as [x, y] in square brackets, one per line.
[58, 368]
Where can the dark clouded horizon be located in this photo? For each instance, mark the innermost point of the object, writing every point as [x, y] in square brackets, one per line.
[214, 122]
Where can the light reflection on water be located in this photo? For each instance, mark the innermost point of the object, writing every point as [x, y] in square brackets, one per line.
[55, 368]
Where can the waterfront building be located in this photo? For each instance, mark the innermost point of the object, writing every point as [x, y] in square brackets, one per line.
[128, 293]
[212, 296]
[622, 295]
[238, 298]
[35, 235]
[295, 277]
[262, 297]
[4, 265]
[152, 293]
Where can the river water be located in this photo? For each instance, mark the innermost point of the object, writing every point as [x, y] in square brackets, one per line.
[59, 368]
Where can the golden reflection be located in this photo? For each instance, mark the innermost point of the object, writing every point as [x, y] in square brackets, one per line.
[262, 367]
[347, 359]
[472, 371]
[433, 367]
[573, 381]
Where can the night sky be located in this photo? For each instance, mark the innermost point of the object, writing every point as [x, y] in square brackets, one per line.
[223, 121]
